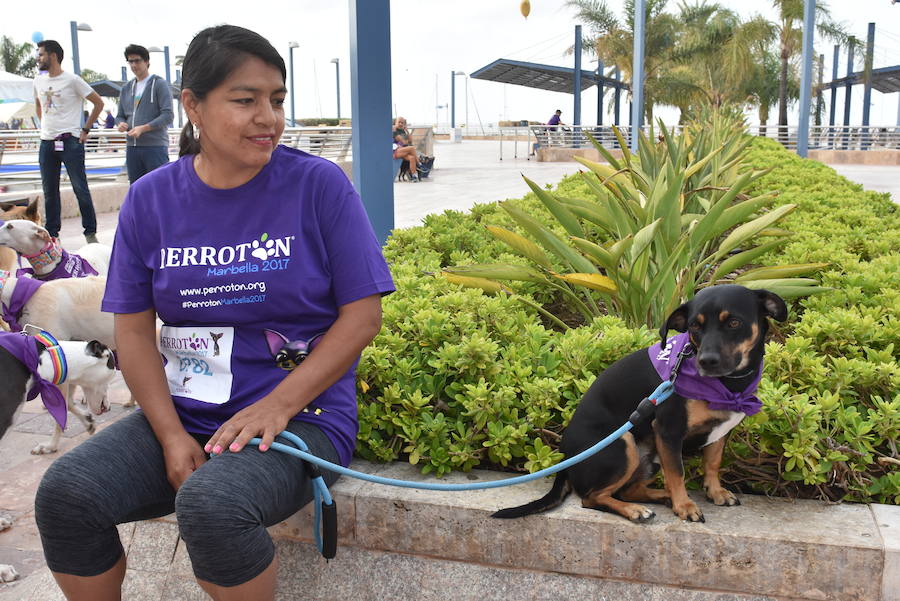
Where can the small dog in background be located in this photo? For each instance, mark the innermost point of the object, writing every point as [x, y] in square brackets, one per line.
[423, 171]
[90, 365]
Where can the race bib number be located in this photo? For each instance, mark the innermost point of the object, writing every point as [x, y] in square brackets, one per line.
[198, 362]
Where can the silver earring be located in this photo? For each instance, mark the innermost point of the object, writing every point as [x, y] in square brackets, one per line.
[196, 129]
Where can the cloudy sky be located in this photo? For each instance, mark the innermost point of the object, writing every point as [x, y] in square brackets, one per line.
[429, 39]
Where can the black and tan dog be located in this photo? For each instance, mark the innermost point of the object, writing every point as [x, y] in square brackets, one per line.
[727, 326]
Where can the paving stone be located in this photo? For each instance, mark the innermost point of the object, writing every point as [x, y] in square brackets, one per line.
[153, 546]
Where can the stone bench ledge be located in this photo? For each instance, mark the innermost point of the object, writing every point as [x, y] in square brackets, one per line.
[776, 548]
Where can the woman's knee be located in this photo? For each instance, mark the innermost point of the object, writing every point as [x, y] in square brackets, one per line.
[212, 509]
[65, 494]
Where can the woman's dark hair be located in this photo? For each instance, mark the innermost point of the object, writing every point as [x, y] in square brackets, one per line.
[52, 47]
[135, 50]
[212, 56]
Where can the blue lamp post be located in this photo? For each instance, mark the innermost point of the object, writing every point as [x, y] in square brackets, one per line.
[637, 80]
[76, 27]
[291, 47]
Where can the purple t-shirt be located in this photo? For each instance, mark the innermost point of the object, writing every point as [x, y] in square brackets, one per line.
[230, 271]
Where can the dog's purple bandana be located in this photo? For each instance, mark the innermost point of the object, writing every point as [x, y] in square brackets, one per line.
[691, 385]
[25, 289]
[23, 348]
[69, 266]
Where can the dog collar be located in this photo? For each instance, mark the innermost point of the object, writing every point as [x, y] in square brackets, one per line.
[51, 253]
[57, 356]
[23, 348]
[691, 385]
[67, 265]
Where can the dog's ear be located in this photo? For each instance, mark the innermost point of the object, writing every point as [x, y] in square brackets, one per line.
[32, 212]
[677, 321]
[772, 305]
[42, 234]
[95, 349]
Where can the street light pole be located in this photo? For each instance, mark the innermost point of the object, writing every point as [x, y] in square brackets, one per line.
[637, 78]
[291, 47]
[452, 100]
[76, 27]
[168, 72]
[337, 79]
[453, 75]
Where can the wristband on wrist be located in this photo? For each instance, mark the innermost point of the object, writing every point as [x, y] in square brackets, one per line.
[86, 129]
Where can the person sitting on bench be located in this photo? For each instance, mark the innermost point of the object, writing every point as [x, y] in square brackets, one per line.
[405, 149]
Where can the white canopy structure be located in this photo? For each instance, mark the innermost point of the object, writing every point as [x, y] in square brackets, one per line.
[15, 88]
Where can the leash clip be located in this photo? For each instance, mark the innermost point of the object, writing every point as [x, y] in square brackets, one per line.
[685, 352]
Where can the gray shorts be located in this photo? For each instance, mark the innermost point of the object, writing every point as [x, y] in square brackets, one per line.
[223, 509]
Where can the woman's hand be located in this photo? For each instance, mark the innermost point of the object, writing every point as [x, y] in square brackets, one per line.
[183, 456]
[265, 419]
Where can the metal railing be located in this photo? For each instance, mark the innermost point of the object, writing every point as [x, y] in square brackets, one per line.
[105, 152]
[821, 137]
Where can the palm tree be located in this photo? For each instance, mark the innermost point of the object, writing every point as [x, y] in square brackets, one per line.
[17, 58]
[719, 52]
[613, 42]
[790, 34]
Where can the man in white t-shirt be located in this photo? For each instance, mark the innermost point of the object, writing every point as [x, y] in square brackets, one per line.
[59, 99]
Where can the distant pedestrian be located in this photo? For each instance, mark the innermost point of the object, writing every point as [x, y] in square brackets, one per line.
[58, 99]
[145, 112]
[553, 124]
[110, 121]
[555, 120]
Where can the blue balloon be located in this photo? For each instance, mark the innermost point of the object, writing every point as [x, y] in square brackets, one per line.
[37, 36]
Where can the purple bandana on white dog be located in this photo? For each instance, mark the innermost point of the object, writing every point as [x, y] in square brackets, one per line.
[25, 289]
[23, 348]
[691, 385]
[69, 266]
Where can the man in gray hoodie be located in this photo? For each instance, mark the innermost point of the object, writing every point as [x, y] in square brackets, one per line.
[145, 112]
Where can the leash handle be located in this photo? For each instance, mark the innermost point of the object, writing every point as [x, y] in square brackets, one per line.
[329, 530]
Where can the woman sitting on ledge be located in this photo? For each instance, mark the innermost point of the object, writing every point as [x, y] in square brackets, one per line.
[405, 149]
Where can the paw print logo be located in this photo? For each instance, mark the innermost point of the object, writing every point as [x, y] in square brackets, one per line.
[195, 342]
[263, 248]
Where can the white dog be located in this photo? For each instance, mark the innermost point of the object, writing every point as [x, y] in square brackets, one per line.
[47, 257]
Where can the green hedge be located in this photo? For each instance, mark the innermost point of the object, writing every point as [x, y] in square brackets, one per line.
[458, 379]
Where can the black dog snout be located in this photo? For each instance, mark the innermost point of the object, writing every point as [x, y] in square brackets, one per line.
[709, 361]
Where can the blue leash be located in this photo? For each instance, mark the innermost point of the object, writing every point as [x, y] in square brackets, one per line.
[326, 509]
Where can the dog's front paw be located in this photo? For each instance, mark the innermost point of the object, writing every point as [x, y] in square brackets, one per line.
[7, 573]
[689, 512]
[44, 448]
[640, 514]
[722, 496]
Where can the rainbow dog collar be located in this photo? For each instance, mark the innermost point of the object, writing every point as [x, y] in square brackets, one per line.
[51, 252]
[57, 356]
